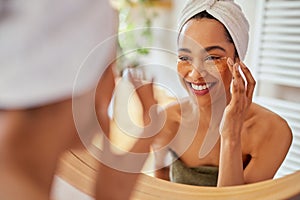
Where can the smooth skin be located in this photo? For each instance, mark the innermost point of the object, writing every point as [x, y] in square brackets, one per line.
[253, 141]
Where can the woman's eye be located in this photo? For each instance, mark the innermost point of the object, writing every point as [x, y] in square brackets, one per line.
[183, 58]
[212, 58]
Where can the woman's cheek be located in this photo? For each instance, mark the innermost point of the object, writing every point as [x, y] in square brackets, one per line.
[226, 76]
[182, 70]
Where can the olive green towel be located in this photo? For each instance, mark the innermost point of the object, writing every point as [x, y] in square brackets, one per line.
[201, 176]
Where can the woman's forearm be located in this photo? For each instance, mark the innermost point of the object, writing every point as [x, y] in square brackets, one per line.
[114, 184]
[231, 162]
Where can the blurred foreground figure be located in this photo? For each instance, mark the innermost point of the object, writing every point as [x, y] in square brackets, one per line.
[43, 48]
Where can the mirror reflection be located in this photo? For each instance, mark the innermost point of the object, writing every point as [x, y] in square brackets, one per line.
[231, 108]
[203, 106]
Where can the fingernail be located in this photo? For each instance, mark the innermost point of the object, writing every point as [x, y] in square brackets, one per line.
[230, 61]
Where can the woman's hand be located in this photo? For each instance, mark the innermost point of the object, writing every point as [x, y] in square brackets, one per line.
[231, 164]
[118, 184]
[242, 93]
[144, 90]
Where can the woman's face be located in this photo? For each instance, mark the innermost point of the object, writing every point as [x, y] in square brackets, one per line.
[203, 49]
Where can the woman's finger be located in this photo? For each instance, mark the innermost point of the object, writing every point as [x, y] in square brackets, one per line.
[144, 91]
[235, 84]
[230, 64]
[134, 77]
[250, 81]
[240, 79]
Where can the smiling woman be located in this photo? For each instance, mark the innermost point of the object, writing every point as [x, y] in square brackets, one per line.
[229, 146]
[255, 162]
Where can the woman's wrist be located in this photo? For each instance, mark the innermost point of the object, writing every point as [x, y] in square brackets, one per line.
[229, 139]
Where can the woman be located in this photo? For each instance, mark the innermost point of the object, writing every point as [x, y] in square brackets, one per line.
[37, 95]
[236, 141]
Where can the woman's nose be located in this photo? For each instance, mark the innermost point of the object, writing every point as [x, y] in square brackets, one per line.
[196, 74]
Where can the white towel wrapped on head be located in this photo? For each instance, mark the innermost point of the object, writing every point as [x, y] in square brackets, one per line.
[228, 13]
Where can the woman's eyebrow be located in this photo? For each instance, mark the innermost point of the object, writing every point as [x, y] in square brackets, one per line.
[207, 49]
[185, 50]
[213, 48]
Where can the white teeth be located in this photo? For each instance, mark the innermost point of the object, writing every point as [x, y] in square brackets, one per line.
[201, 87]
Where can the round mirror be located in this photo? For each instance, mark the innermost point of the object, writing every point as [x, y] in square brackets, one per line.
[78, 168]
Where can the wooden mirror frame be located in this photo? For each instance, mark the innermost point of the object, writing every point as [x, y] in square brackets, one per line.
[78, 169]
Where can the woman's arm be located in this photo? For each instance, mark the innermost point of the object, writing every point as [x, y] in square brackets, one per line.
[165, 139]
[113, 183]
[231, 164]
[160, 165]
[103, 96]
[272, 145]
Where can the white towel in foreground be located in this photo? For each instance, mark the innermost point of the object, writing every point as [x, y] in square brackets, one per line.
[43, 45]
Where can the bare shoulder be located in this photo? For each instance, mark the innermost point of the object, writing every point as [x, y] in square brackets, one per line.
[267, 138]
[176, 108]
[174, 115]
[270, 119]
[267, 128]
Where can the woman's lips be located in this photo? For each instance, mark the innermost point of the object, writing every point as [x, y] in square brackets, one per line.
[201, 88]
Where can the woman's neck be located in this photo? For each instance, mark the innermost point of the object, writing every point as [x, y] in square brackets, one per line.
[213, 113]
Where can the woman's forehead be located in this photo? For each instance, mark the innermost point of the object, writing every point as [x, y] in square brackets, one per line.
[199, 33]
